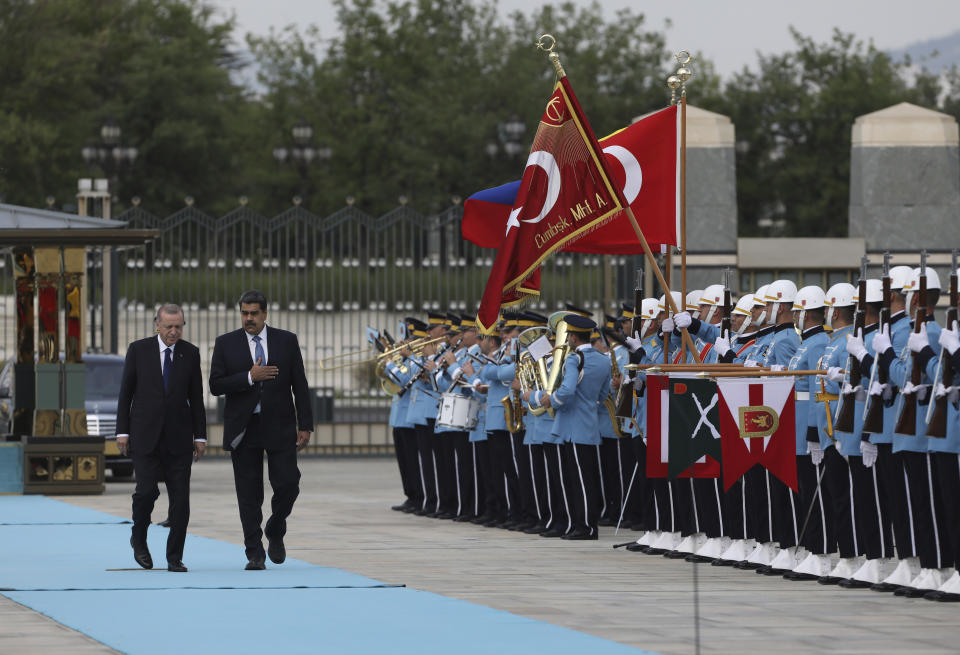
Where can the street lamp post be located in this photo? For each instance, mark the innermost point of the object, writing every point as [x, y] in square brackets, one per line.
[302, 153]
[111, 156]
[509, 133]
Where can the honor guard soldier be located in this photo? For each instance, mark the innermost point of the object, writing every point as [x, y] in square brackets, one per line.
[585, 383]
[809, 315]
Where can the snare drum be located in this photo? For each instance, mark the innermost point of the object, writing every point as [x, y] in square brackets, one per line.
[458, 412]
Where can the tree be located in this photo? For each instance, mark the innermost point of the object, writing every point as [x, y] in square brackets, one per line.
[161, 69]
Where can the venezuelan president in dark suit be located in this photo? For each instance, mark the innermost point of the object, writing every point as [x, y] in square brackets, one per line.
[161, 422]
[260, 371]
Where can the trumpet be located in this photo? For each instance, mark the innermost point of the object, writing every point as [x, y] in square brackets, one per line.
[416, 346]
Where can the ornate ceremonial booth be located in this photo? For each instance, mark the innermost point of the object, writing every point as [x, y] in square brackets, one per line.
[48, 415]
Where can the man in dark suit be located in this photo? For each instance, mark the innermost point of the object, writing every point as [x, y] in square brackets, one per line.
[161, 422]
[260, 370]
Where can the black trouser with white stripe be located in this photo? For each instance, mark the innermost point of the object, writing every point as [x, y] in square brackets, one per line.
[818, 536]
[463, 474]
[734, 511]
[948, 477]
[489, 499]
[839, 483]
[663, 505]
[405, 447]
[639, 512]
[446, 472]
[556, 487]
[927, 510]
[612, 483]
[538, 475]
[873, 526]
[529, 511]
[582, 477]
[758, 496]
[428, 470]
[893, 483]
[504, 472]
[708, 505]
[784, 510]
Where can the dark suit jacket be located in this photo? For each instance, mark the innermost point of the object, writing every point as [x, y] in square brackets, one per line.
[144, 410]
[279, 418]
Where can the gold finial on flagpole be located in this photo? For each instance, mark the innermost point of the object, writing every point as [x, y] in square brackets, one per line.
[551, 55]
[684, 58]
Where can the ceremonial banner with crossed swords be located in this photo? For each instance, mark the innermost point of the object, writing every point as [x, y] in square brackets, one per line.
[694, 424]
[659, 444]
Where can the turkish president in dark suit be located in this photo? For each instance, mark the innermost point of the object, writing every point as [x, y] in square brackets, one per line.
[260, 371]
[161, 422]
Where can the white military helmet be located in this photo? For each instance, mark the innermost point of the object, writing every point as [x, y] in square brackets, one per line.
[760, 300]
[874, 291]
[744, 305]
[781, 291]
[712, 296]
[899, 275]
[649, 308]
[693, 300]
[811, 297]
[912, 285]
[677, 300]
[839, 295]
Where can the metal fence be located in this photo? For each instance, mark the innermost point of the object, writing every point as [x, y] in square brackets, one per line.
[326, 279]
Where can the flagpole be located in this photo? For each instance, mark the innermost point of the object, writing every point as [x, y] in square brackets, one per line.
[680, 78]
[555, 60]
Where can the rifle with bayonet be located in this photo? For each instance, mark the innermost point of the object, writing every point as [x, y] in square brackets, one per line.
[873, 412]
[625, 392]
[937, 412]
[907, 421]
[848, 395]
[725, 320]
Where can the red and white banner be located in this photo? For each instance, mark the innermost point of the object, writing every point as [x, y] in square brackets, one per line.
[757, 418]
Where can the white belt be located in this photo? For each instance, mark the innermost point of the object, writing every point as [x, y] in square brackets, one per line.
[803, 395]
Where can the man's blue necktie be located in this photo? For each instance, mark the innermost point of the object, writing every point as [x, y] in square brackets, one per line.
[167, 365]
[259, 360]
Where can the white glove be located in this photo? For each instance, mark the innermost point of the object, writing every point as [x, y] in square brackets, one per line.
[940, 391]
[722, 346]
[869, 452]
[634, 343]
[855, 345]
[849, 389]
[815, 451]
[751, 363]
[877, 389]
[950, 339]
[777, 367]
[908, 388]
[881, 340]
[667, 325]
[835, 374]
[683, 320]
[918, 340]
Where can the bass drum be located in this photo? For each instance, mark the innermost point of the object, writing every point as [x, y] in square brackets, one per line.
[458, 412]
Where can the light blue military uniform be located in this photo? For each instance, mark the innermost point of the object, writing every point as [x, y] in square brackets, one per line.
[834, 355]
[498, 376]
[576, 399]
[899, 333]
[784, 342]
[900, 373]
[808, 353]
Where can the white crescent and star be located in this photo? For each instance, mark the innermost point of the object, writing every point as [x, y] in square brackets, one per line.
[633, 181]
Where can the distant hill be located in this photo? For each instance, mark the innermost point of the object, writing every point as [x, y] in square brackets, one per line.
[936, 55]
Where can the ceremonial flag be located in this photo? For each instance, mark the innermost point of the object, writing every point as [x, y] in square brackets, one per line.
[564, 193]
[694, 423]
[659, 420]
[644, 164]
[757, 427]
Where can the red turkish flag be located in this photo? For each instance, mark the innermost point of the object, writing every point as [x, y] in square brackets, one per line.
[643, 163]
[757, 427]
[565, 193]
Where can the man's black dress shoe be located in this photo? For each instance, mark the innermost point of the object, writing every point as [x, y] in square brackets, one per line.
[650, 550]
[884, 586]
[698, 559]
[637, 548]
[913, 592]
[141, 554]
[176, 566]
[463, 518]
[674, 554]
[580, 536]
[256, 564]
[942, 596]
[552, 532]
[480, 520]
[607, 521]
[535, 528]
[826, 579]
[276, 550]
[446, 516]
[799, 577]
[850, 583]
[165, 523]
[722, 562]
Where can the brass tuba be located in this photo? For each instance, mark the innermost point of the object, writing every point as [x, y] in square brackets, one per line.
[560, 351]
[527, 370]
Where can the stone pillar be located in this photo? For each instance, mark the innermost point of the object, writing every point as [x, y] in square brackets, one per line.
[905, 179]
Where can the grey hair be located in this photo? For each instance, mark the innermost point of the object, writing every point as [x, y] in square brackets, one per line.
[170, 308]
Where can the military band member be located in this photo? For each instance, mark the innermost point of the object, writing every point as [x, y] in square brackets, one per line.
[586, 382]
[404, 432]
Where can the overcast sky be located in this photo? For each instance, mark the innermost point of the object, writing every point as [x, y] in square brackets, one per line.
[729, 32]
